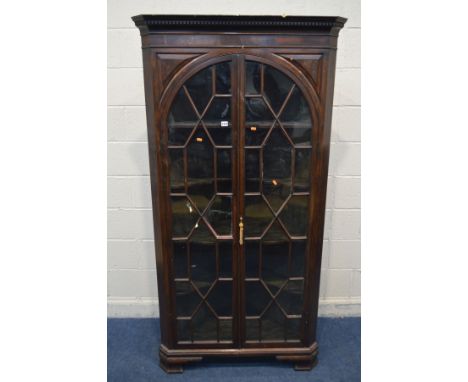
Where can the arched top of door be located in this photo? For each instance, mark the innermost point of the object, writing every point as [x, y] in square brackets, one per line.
[212, 58]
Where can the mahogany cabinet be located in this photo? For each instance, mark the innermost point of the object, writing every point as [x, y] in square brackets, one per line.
[238, 113]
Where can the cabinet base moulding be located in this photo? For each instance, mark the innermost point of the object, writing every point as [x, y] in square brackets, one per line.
[173, 360]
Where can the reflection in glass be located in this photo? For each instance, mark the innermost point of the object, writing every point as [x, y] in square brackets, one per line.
[257, 216]
[223, 78]
[182, 119]
[275, 249]
[200, 169]
[294, 215]
[225, 329]
[293, 329]
[180, 259]
[277, 87]
[252, 253]
[202, 258]
[183, 330]
[219, 214]
[302, 167]
[297, 109]
[252, 77]
[184, 216]
[186, 299]
[277, 168]
[204, 325]
[218, 121]
[296, 119]
[225, 258]
[224, 170]
[252, 328]
[257, 298]
[252, 170]
[300, 135]
[257, 113]
[298, 251]
[203, 265]
[291, 297]
[255, 133]
[199, 86]
[220, 298]
[176, 164]
[273, 324]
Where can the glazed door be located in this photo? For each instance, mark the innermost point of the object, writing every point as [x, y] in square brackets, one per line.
[239, 138]
[200, 140]
[276, 140]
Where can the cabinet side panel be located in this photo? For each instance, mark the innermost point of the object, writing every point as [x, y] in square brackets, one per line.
[319, 185]
[152, 95]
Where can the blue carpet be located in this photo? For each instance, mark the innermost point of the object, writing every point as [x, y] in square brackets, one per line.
[133, 344]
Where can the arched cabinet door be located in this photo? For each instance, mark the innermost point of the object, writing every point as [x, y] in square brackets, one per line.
[239, 138]
[200, 140]
[276, 152]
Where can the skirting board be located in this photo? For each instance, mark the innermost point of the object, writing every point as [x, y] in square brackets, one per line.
[144, 308]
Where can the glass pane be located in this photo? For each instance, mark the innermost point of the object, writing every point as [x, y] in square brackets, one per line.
[298, 253]
[257, 298]
[223, 78]
[199, 87]
[275, 266]
[296, 119]
[291, 297]
[294, 215]
[184, 216]
[252, 329]
[300, 135]
[297, 110]
[275, 257]
[252, 170]
[293, 329]
[219, 214]
[252, 253]
[257, 216]
[225, 329]
[277, 87]
[225, 258]
[252, 77]
[220, 298]
[182, 119]
[186, 299]
[200, 169]
[204, 325]
[218, 121]
[273, 324]
[302, 166]
[255, 133]
[183, 330]
[258, 120]
[277, 156]
[224, 170]
[202, 258]
[180, 260]
[176, 164]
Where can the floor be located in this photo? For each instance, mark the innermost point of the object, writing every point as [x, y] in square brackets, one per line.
[132, 353]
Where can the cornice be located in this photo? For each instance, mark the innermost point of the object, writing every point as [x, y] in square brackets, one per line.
[150, 23]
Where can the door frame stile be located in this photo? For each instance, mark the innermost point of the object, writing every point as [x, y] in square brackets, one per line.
[241, 190]
[235, 119]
